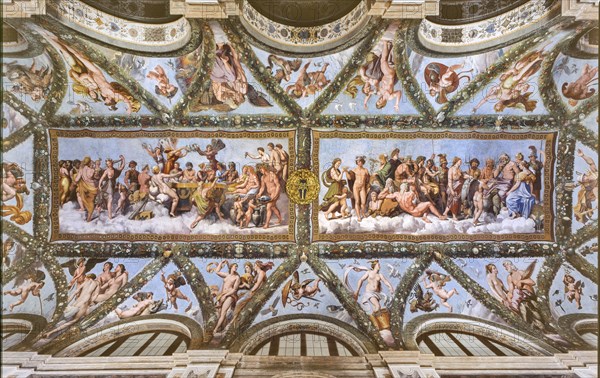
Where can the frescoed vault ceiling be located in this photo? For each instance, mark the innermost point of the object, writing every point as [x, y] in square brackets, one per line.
[449, 175]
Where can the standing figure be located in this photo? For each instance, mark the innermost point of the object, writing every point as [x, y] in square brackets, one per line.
[132, 177]
[144, 179]
[64, 183]
[228, 295]
[107, 191]
[285, 158]
[271, 187]
[454, 189]
[86, 188]
[358, 180]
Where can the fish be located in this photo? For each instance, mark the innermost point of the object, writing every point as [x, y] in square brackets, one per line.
[333, 308]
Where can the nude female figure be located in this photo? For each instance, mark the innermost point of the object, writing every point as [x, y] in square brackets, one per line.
[436, 283]
[84, 297]
[496, 285]
[144, 301]
[260, 269]
[158, 180]
[113, 285]
[228, 296]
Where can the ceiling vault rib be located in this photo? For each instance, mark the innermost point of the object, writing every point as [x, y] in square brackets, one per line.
[550, 97]
[483, 296]
[408, 81]
[346, 298]
[41, 176]
[583, 266]
[112, 69]
[584, 234]
[563, 177]
[244, 319]
[408, 281]
[18, 105]
[200, 82]
[18, 137]
[200, 289]
[60, 284]
[337, 85]
[259, 71]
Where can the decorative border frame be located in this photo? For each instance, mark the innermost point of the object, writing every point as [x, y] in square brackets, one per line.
[56, 235]
[548, 235]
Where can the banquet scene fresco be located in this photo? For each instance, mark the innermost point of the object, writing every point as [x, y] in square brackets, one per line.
[182, 184]
[236, 189]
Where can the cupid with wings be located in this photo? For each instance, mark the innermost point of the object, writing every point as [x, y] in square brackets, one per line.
[437, 281]
[298, 290]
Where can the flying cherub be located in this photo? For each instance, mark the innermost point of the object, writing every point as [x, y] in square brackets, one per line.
[573, 289]
[78, 268]
[299, 290]
[172, 284]
[31, 281]
[437, 281]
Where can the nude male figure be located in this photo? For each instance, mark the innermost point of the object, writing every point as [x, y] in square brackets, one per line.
[407, 199]
[361, 182]
[228, 296]
[270, 185]
[386, 85]
[158, 180]
[373, 289]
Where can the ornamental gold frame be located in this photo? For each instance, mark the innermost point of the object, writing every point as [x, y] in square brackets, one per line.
[56, 235]
[549, 161]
